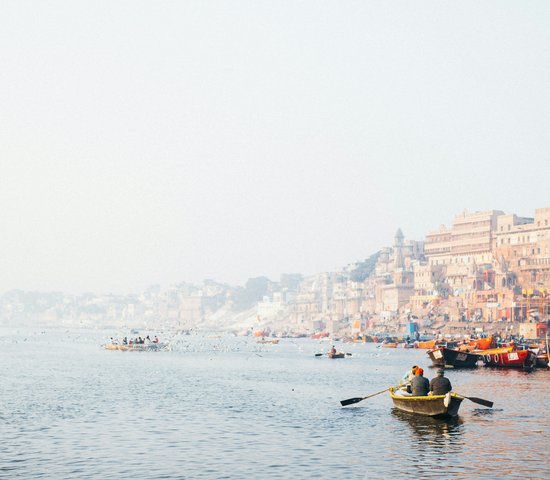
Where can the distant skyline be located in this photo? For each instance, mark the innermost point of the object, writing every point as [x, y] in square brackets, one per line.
[158, 142]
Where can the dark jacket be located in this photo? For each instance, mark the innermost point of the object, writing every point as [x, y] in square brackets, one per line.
[420, 386]
[440, 385]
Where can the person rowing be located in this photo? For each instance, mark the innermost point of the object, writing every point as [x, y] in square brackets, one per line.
[407, 378]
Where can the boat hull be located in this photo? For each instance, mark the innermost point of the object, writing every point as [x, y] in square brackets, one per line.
[336, 355]
[138, 347]
[427, 344]
[430, 406]
[525, 359]
[448, 357]
[542, 360]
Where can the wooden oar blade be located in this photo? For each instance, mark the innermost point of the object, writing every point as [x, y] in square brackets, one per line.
[319, 354]
[348, 354]
[351, 401]
[481, 401]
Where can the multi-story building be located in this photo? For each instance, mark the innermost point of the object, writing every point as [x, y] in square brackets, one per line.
[394, 274]
[470, 240]
[522, 245]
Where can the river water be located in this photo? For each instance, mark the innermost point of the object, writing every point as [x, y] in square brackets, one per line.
[226, 407]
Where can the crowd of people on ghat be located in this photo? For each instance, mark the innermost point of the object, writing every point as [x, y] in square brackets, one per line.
[136, 341]
[419, 386]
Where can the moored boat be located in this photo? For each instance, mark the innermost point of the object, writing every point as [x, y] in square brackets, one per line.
[440, 406]
[493, 351]
[542, 360]
[477, 344]
[525, 359]
[274, 341]
[390, 344]
[448, 357]
[427, 344]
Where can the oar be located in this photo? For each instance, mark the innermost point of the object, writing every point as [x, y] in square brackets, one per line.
[485, 403]
[348, 354]
[319, 354]
[351, 401]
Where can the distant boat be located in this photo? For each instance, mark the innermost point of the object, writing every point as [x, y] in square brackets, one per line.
[477, 344]
[137, 347]
[317, 336]
[426, 344]
[441, 406]
[525, 359]
[274, 341]
[448, 357]
[542, 360]
[336, 355]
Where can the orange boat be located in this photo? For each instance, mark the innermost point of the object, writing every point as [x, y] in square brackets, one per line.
[319, 335]
[483, 343]
[478, 344]
[390, 345]
[428, 344]
[494, 351]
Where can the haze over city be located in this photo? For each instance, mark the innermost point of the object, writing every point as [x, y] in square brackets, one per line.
[147, 142]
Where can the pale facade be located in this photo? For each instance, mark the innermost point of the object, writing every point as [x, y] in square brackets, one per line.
[394, 274]
[470, 240]
[523, 247]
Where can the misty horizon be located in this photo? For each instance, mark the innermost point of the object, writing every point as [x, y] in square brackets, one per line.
[145, 143]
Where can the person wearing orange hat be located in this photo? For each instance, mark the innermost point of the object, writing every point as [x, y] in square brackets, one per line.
[407, 378]
[420, 386]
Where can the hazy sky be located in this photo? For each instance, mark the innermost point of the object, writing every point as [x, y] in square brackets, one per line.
[151, 142]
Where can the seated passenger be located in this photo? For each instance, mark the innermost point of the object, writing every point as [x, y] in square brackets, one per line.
[440, 385]
[420, 386]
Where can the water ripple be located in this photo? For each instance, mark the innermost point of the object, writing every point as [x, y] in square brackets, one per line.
[223, 408]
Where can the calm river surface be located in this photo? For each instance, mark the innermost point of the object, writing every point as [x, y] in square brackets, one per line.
[226, 407]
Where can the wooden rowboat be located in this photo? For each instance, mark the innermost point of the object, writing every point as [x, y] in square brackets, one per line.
[336, 355]
[525, 359]
[137, 347]
[542, 360]
[448, 357]
[390, 344]
[478, 344]
[440, 406]
[274, 342]
[426, 344]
